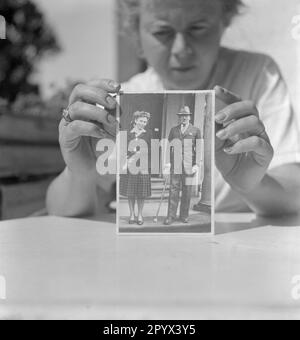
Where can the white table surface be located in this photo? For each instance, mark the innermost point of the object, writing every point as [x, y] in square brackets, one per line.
[71, 268]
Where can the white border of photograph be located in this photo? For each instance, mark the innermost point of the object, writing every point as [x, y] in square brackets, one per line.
[173, 234]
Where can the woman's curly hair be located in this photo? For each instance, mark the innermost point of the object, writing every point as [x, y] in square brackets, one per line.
[130, 12]
[141, 114]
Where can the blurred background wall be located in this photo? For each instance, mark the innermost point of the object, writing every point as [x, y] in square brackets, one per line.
[87, 33]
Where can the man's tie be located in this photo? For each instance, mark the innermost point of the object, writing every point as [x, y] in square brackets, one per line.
[183, 128]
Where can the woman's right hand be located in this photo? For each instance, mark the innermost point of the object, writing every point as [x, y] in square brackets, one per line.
[90, 123]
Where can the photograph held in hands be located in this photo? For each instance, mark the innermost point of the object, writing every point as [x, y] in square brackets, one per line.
[165, 161]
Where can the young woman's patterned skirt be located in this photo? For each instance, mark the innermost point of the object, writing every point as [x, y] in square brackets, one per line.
[135, 186]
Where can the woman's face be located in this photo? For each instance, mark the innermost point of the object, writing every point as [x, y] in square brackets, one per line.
[141, 122]
[180, 39]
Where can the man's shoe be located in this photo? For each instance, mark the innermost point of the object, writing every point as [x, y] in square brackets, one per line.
[168, 221]
[184, 220]
[202, 208]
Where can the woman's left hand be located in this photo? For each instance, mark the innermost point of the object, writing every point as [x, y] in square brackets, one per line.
[243, 148]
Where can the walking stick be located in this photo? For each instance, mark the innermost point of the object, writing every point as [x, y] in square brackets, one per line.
[165, 186]
[160, 203]
[172, 170]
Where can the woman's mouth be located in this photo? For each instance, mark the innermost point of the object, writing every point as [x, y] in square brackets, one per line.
[183, 69]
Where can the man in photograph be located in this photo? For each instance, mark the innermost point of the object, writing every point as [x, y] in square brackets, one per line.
[181, 177]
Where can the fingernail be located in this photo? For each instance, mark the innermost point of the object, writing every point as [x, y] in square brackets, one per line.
[114, 85]
[221, 117]
[111, 119]
[110, 101]
[100, 134]
[222, 134]
[228, 150]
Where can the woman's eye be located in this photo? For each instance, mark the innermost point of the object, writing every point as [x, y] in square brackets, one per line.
[163, 34]
[198, 29]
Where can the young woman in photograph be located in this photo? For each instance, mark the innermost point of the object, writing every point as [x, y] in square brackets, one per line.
[257, 141]
[137, 187]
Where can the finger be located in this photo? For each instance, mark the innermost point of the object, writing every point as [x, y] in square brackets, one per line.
[88, 112]
[79, 128]
[111, 129]
[236, 111]
[226, 96]
[92, 95]
[111, 86]
[105, 84]
[251, 125]
[251, 144]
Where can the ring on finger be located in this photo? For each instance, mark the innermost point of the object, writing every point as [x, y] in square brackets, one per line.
[66, 115]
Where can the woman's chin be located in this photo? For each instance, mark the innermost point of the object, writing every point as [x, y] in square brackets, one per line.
[183, 84]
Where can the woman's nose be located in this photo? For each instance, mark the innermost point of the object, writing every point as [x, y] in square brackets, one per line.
[180, 47]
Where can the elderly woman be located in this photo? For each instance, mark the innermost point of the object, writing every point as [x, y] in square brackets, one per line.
[180, 40]
[137, 187]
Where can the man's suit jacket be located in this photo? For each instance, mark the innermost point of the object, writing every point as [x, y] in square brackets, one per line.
[188, 155]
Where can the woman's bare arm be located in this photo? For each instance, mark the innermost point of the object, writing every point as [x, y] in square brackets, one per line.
[72, 197]
[278, 193]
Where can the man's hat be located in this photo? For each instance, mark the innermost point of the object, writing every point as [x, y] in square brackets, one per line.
[185, 110]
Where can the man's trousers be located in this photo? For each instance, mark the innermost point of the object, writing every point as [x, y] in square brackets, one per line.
[178, 183]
